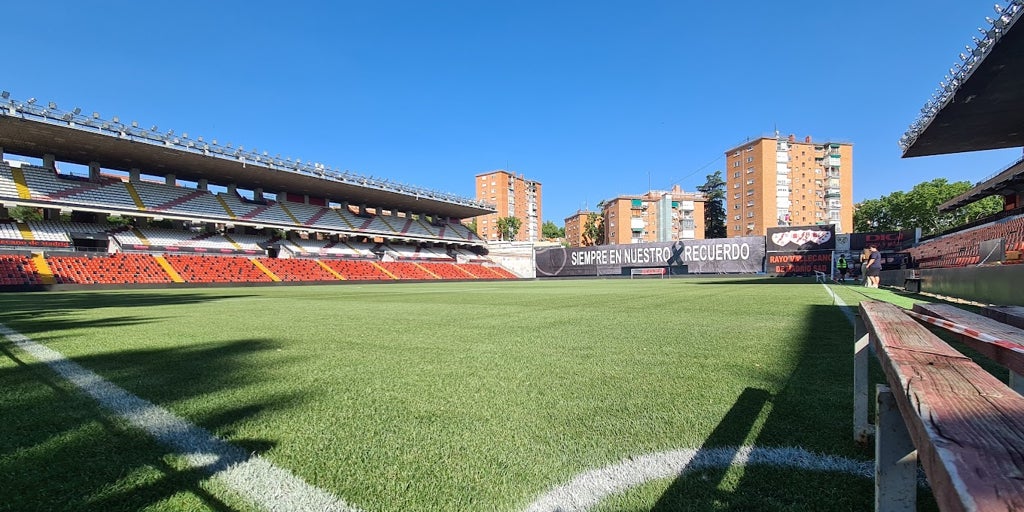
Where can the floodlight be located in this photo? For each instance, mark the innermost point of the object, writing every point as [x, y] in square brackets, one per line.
[135, 124]
[152, 128]
[67, 117]
[170, 132]
[76, 111]
[95, 115]
[53, 106]
[116, 119]
[106, 126]
[998, 9]
[199, 138]
[5, 94]
[31, 101]
[214, 142]
[184, 135]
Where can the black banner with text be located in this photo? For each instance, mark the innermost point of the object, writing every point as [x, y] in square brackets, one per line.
[743, 255]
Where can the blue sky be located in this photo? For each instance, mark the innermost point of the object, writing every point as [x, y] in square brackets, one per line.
[593, 99]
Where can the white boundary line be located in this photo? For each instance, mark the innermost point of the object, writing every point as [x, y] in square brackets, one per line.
[842, 304]
[268, 486]
[590, 488]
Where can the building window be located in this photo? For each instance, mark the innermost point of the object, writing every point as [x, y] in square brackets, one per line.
[736, 207]
[736, 174]
[750, 181]
[750, 159]
[736, 163]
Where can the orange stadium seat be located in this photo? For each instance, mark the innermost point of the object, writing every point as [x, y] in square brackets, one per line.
[216, 269]
[295, 270]
[363, 270]
[17, 270]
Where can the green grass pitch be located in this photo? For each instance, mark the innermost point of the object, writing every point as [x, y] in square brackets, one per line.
[446, 396]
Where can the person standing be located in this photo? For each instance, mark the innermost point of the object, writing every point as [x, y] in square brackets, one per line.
[874, 267]
[843, 267]
[864, 254]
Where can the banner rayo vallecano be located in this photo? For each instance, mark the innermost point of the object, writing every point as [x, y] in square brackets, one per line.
[717, 256]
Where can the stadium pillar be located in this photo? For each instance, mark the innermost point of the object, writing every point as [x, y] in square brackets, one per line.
[171, 180]
[203, 184]
[257, 193]
[94, 171]
[4, 214]
[48, 162]
[134, 175]
[232, 189]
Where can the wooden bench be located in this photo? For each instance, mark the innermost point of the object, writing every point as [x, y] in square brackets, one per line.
[1013, 315]
[995, 340]
[940, 408]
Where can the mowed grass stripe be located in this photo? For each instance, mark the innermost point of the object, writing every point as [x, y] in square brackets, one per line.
[447, 396]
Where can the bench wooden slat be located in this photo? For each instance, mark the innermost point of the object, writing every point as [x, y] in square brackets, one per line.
[984, 329]
[1013, 315]
[968, 426]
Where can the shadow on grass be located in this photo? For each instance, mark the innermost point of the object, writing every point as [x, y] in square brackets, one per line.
[814, 411]
[15, 305]
[60, 451]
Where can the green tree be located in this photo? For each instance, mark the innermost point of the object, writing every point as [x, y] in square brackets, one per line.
[919, 208]
[472, 225]
[714, 205]
[509, 227]
[551, 231]
[25, 213]
[593, 230]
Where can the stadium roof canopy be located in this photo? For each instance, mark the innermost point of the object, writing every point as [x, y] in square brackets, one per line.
[1009, 179]
[33, 130]
[980, 103]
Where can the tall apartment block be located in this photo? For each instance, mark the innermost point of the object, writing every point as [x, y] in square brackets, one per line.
[776, 181]
[575, 225]
[513, 196]
[657, 216]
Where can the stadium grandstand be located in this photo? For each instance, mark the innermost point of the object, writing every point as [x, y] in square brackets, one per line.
[978, 106]
[157, 208]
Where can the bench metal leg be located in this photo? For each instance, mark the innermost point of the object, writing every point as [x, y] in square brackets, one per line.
[895, 458]
[862, 429]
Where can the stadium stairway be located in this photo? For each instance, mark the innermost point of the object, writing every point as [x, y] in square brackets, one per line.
[43, 268]
[175, 277]
[261, 266]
